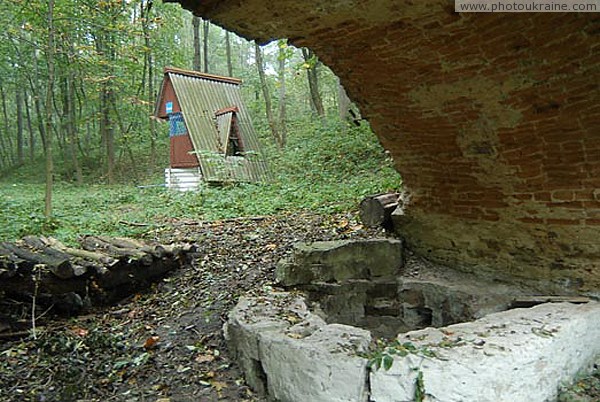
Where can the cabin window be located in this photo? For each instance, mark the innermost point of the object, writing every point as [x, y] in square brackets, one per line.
[176, 125]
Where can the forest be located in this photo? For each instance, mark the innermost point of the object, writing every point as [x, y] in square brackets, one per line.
[80, 81]
[82, 165]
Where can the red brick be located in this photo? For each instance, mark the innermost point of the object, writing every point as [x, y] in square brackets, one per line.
[563, 195]
[536, 221]
[556, 221]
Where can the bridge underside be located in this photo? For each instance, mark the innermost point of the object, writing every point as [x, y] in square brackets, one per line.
[493, 121]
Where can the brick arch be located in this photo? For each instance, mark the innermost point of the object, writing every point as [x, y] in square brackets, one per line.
[493, 121]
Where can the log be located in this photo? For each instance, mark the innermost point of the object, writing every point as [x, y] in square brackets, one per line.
[84, 254]
[61, 267]
[376, 210]
[122, 242]
[54, 250]
[105, 245]
[68, 279]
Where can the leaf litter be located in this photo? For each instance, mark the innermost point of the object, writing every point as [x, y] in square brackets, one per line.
[165, 344]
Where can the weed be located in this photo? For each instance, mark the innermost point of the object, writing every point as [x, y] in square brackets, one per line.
[324, 169]
[383, 353]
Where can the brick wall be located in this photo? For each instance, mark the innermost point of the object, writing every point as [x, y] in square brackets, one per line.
[493, 121]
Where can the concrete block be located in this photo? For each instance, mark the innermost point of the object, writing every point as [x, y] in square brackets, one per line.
[291, 355]
[339, 261]
[521, 355]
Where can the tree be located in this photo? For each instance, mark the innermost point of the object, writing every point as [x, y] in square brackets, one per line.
[49, 91]
[282, 56]
[146, 10]
[228, 54]
[312, 63]
[20, 140]
[205, 42]
[197, 56]
[267, 95]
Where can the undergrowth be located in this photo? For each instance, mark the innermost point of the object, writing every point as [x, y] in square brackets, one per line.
[323, 169]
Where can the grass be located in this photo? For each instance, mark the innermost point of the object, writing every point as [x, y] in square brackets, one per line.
[322, 169]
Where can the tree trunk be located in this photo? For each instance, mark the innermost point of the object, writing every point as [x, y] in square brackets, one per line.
[265, 90]
[151, 97]
[228, 54]
[10, 149]
[49, 91]
[71, 128]
[343, 105]
[38, 106]
[282, 95]
[313, 81]
[20, 140]
[206, 26]
[197, 51]
[29, 128]
[106, 99]
[4, 149]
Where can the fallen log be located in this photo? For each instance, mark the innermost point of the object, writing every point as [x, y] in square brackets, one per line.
[84, 254]
[110, 247]
[103, 271]
[61, 267]
[376, 210]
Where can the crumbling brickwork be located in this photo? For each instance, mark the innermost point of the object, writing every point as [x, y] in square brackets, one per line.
[493, 121]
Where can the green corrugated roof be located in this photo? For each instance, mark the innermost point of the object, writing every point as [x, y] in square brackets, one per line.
[200, 96]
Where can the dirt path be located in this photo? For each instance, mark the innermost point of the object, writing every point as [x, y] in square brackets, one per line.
[165, 344]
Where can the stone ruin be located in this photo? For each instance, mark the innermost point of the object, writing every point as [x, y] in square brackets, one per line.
[442, 335]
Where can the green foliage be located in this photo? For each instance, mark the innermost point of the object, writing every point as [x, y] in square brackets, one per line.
[585, 388]
[383, 354]
[419, 387]
[69, 355]
[324, 170]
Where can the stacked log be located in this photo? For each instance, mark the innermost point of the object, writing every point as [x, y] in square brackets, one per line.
[102, 271]
[376, 210]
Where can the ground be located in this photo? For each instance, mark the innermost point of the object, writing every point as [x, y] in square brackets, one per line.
[166, 344]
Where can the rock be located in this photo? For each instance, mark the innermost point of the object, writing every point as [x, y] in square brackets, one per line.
[438, 303]
[292, 355]
[339, 261]
[521, 355]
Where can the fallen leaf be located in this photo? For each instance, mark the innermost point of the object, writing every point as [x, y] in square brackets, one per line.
[295, 335]
[293, 319]
[210, 374]
[82, 332]
[218, 385]
[342, 223]
[204, 358]
[182, 369]
[151, 342]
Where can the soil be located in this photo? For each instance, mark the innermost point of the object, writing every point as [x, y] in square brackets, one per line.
[165, 344]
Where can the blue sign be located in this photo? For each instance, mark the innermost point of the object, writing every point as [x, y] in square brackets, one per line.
[169, 107]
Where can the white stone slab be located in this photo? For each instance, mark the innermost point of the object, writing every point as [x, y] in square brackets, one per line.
[293, 355]
[521, 355]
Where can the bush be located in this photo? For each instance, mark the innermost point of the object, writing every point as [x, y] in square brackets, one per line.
[323, 169]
